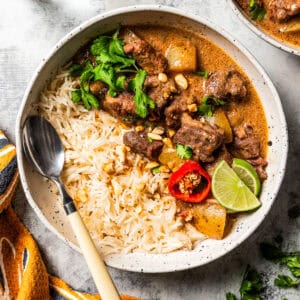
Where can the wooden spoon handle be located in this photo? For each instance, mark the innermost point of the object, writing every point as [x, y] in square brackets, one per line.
[96, 265]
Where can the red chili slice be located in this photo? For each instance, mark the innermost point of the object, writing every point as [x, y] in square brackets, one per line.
[183, 183]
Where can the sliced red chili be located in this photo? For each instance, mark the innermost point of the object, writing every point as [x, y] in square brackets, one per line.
[190, 183]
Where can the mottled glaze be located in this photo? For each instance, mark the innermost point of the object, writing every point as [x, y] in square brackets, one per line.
[51, 212]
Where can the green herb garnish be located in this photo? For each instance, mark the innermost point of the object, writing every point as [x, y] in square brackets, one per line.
[204, 74]
[150, 140]
[184, 151]
[285, 281]
[141, 99]
[257, 11]
[291, 259]
[206, 106]
[251, 286]
[156, 170]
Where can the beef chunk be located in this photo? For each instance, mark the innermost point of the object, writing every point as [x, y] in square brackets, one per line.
[259, 164]
[281, 10]
[174, 111]
[226, 85]
[83, 55]
[245, 145]
[221, 154]
[121, 106]
[160, 92]
[98, 88]
[145, 55]
[139, 143]
[201, 136]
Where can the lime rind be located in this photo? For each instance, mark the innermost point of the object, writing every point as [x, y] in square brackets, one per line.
[247, 174]
[231, 191]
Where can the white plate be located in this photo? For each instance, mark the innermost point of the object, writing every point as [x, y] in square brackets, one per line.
[260, 32]
[45, 203]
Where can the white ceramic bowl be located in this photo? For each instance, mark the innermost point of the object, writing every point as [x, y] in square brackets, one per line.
[260, 32]
[49, 209]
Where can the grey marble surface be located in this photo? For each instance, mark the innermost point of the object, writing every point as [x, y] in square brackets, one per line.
[28, 28]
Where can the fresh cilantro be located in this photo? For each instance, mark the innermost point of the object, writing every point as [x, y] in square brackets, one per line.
[120, 82]
[75, 70]
[291, 259]
[156, 170]
[89, 100]
[230, 296]
[109, 49]
[251, 286]
[141, 99]
[76, 95]
[257, 11]
[293, 263]
[106, 74]
[184, 151]
[204, 74]
[207, 103]
[150, 140]
[285, 281]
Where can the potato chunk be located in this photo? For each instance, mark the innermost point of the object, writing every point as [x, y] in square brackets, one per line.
[210, 218]
[182, 57]
[222, 121]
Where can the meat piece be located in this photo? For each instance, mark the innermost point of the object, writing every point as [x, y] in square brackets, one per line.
[281, 10]
[160, 92]
[138, 142]
[174, 111]
[145, 55]
[83, 55]
[201, 136]
[259, 164]
[98, 88]
[221, 154]
[226, 85]
[245, 145]
[121, 106]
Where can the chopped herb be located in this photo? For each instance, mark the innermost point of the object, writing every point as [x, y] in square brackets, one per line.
[285, 281]
[230, 296]
[75, 70]
[206, 106]
[184, 151]
[150, 140]
[156, 170]
[251, 286]
[141, 99]
[257, 11]
[120, 82]
[106, 74]
[291, 259]
[109, 50]
[76, 96]
[204, 74]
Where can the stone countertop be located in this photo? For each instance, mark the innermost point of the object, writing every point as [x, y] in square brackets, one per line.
[28, 29]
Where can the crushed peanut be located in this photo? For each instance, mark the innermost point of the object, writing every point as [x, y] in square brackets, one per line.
[168, 142]
[154, 136]
[158, 130]
[151, 165]
[181, 81]
[162, 77]
[192, 107]
[139, 128]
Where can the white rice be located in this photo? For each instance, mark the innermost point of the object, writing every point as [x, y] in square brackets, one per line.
[125, 207]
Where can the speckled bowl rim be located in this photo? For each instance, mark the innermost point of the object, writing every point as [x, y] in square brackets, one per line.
[260, 32]
[161, 266]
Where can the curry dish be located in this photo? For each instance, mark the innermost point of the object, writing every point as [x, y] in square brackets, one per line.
[150, 118]
[279, 18]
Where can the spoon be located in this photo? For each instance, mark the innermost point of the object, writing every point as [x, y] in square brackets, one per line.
[43, 148]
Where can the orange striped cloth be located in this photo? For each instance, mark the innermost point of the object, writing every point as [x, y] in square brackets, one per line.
[23, 275]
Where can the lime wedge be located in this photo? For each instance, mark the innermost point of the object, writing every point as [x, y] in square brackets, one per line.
[231, 191]
[248, 175]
